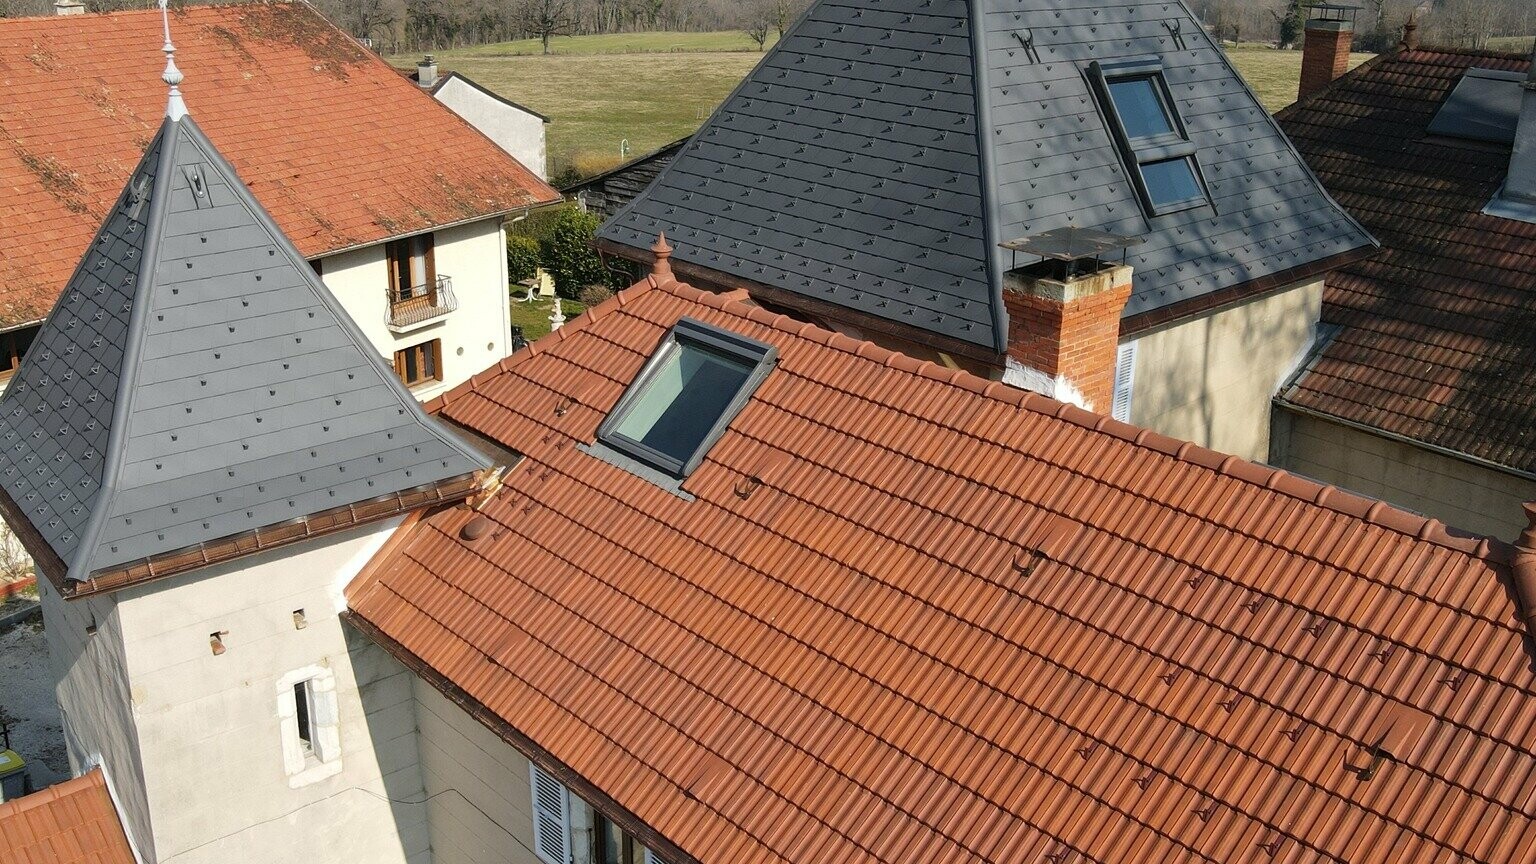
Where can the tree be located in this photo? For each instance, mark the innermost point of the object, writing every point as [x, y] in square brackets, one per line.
[758, 33]
[546, 19]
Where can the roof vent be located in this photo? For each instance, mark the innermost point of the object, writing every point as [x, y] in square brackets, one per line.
[475, 528]
[1391, 736]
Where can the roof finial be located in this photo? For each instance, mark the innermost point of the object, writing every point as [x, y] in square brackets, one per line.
[175, 109]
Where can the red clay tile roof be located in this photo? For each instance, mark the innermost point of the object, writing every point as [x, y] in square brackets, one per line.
[1437, 342]
[913, 615]
[74, 822]
[335, 144]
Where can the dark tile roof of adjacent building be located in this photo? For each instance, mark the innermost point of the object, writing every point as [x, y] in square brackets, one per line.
[74, 822]
[1435, 342]
[910, 614]
[279, 88]
[607, 193]
[878, 155]
[197, 382]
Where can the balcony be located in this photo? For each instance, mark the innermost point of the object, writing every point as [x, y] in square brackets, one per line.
[419, 304]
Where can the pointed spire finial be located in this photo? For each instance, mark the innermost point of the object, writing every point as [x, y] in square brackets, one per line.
[175, 108]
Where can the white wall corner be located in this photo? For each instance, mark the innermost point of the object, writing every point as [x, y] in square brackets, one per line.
[378, 536]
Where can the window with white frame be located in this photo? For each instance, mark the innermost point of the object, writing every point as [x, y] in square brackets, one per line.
[309, 725]
[1125, 381]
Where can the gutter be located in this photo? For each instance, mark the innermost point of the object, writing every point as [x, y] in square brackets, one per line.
[1282, 403]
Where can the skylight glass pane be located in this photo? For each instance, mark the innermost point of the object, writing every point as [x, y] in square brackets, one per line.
[681, 402]
[1141, 112]
[1171, 182]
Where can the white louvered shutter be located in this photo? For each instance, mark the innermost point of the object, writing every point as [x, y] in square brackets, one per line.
[551, 818]
[653, 858]
[1125, 381]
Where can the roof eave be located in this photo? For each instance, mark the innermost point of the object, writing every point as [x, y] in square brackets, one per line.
[1243, 292]
[268, 538]
[809, 305]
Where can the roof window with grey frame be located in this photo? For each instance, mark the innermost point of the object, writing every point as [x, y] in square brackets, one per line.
[690, 390]
[1149, 134]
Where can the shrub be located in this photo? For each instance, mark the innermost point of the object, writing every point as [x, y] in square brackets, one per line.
[594, 294]
[522, 257]
[567, 253]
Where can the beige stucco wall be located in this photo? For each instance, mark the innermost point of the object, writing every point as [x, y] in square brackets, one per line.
[475, 336]
[1458, 493]
[514, 130]
[208, 728]
[1210, 379]
[92, 690]
[481, 803]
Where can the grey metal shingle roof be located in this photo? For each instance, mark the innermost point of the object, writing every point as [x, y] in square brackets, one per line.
[196, 381]
[875, 159]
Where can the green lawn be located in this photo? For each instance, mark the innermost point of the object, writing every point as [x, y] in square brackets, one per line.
[1512, 43]
[534, 317]
[649, 89]
[1273, 74]
[617, 43]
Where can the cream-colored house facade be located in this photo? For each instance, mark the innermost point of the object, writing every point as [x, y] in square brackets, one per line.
[451, 323]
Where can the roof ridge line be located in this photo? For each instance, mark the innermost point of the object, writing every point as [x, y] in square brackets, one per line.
[56, 792]
[1333, 498]
[128, 364]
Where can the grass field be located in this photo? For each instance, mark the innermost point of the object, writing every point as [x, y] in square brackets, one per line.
[1512, 43]
[652, 88]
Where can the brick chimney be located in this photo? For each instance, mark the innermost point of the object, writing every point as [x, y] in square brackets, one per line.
[1325, 52]
[1064, 328]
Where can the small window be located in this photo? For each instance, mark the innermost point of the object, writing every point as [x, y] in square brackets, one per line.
[1147, 130]
[686, 396]
[1171, 182]
[1140, 106]
[13, 347]
[420, 364]
[309, 725]
[304, 718]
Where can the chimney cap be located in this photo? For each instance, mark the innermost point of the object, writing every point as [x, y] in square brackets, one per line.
[1070, 243]
[1332, 12]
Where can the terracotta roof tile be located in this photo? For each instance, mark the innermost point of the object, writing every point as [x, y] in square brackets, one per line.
[1435, 331]
[338, 147]
[911, 615]
[73, 822]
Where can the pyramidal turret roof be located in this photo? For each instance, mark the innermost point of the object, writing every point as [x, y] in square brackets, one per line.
[197, 384]
[882, 150]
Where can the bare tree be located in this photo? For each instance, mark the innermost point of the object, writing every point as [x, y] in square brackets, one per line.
[758, 33]
[546, 19]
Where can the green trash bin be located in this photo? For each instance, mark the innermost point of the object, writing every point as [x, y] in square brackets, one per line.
[14, 780]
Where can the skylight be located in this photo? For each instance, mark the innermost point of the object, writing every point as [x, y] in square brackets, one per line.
[1485, 106]
[685, 397]
[1158, 155]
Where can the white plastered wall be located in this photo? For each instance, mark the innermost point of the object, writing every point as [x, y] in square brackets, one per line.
[1457, 492]
[93, 693]
[518, 132]
[1211, 379]
[215, 779]
[481, 805]
[475, 336]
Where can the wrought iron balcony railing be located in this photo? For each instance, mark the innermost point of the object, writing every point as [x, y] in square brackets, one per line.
[411, 306]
